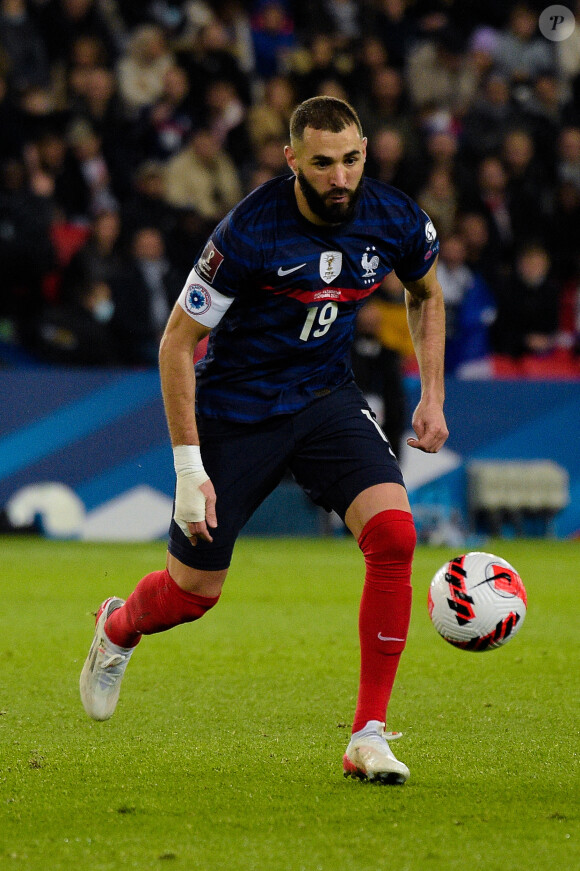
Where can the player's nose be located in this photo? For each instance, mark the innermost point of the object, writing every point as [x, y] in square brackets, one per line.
[338, 176]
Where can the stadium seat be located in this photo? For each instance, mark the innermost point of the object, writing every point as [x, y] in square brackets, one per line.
[526, 494]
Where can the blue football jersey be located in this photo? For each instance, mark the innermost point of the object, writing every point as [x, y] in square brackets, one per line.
[282, 294]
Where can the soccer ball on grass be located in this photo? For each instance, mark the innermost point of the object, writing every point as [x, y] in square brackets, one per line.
[477, 601]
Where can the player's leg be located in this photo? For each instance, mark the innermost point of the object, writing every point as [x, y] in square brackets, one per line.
[191, 583]
[347, 464]
[157, 603]
[381, 520]
[164, 599]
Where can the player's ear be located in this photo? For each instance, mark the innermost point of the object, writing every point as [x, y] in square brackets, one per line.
[364, 147]
[290, 156]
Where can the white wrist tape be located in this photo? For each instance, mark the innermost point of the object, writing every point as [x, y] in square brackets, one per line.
[189, 500]
[187, 457]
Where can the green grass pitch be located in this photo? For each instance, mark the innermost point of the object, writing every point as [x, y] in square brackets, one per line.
[226, 748]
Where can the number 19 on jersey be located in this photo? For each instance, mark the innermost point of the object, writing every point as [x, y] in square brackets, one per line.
[322, 318]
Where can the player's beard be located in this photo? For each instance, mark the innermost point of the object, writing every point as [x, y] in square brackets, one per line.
[322, 205]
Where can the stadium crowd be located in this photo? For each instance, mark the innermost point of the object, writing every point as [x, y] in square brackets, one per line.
[129, 128]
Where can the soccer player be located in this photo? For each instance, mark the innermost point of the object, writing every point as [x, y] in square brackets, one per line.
[278, 286]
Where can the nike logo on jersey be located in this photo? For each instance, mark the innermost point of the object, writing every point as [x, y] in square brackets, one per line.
[282, 272]
[388, 638]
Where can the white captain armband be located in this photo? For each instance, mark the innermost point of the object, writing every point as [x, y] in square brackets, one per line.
[203, 303]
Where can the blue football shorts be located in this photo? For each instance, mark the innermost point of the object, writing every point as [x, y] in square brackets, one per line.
[334, 448]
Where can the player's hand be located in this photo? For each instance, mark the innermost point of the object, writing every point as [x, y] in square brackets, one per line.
[430, 427]
[195, 499]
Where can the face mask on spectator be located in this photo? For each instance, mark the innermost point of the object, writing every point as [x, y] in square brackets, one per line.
[104, 310]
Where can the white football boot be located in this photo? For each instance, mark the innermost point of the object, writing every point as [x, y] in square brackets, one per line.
[369, 757]
[103, 671]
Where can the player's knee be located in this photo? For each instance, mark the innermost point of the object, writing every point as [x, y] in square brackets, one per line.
[388, 542]
[198, 581]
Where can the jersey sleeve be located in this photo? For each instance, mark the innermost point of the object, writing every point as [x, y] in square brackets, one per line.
[221, 270]
[420, 246]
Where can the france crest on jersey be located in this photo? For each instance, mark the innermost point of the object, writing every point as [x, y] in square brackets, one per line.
[282, 294]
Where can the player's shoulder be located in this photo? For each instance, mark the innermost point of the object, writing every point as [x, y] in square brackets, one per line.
[384, 194]
[390, 208]
[264, 201]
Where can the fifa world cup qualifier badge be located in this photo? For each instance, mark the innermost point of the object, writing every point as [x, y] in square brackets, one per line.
[210, 261]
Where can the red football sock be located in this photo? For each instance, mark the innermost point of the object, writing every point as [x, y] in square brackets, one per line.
[388, 543]
[157, 603]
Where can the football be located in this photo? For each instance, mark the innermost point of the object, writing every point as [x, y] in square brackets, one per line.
[477, 601]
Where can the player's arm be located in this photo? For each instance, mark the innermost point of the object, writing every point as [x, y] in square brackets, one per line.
[426, 317]
[195, 496]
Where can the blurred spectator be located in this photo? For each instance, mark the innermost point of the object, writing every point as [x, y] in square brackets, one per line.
[11, 123]
[569, 155]
[396, 30]
[386, 105]
[439, 72]
[368, 56]
[269, 157]
[273, 38]
[146, 205]
[482, 48]
[141, 69]
[95, 98]
[319, 61]
[236, 19]
[98, 103]
[87, 52]
[521, 54]
[62, 22]
[87, 153]
[386, 160]
[439, 199]
[144, 294]
[342, 18]
[194, 14]
[130, 12]
[490, 116]
[38, 113]
[442, 152]
[527, 178]
[50, 157]
[270, 116]
[78, 333]
[542, 113]
[564, 232]
[512, 220]
[225, 115]
[99, 260]
[332, 88]
[26, 252]
[187, 237]
[480, 255]
[210, 58]
[166, 125]
[23, 46]
[470, 308]
[529, 304]
[202, 176]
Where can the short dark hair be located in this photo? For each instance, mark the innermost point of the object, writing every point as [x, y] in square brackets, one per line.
[323, 113]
